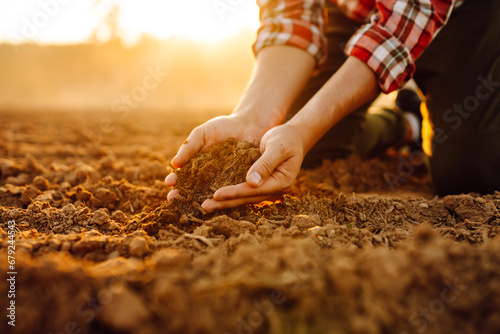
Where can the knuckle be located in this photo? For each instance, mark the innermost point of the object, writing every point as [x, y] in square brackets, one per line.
[267, 166]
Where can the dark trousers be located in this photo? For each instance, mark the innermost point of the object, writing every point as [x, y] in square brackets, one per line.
[459, 74]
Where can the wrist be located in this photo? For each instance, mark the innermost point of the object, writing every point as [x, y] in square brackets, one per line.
[261, 116]
[279, 75]
[350, 87]
[305, 133]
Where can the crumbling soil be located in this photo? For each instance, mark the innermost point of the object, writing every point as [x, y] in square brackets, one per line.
[220, 165]
[350, 250]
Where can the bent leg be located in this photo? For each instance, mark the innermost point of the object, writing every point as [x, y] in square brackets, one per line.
[460, 75]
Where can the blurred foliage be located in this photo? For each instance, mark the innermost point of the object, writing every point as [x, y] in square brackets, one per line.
[109, 27]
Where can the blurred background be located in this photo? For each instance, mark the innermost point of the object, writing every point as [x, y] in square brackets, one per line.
[125, 55]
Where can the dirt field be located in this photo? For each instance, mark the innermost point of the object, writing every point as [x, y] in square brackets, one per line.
[361, 246]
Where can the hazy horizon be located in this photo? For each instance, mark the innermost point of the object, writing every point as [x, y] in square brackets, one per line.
[171, 74]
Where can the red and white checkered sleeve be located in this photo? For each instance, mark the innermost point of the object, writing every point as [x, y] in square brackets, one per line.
[298, 23]
[397, 35]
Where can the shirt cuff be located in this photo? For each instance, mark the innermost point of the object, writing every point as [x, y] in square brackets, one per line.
[292, 32]
[384, 53]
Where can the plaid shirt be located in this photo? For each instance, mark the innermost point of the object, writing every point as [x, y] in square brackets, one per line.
[398, 31]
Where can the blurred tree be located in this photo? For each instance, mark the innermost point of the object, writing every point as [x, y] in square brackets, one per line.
[108, 29]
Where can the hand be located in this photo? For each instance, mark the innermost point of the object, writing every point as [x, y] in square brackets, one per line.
[213, 131]
[272, 175]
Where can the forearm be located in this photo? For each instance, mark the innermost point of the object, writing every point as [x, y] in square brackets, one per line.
[350, 87]
[279, 75]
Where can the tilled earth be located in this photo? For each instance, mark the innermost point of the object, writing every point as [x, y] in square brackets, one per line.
[360, 246]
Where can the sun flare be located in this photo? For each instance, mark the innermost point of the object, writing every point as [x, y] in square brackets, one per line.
[54, 21]
[200, 20]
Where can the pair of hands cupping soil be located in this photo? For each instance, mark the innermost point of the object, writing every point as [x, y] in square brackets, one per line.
[220, 168]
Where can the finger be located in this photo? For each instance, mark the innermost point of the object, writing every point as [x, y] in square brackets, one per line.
[211, 205]
[265, 165]
[272, 186]
[241, 190]
[171, 179]
[172, 194]
[190, 147]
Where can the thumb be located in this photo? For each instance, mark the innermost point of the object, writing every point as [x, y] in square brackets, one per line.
[265, 165]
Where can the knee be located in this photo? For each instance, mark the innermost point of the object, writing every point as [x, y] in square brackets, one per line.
[465, 168]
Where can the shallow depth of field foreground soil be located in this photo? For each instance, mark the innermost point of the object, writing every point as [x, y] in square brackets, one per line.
[361, 246]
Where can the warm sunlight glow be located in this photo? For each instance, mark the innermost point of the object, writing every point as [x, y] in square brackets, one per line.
[201, 20]
[62, 21]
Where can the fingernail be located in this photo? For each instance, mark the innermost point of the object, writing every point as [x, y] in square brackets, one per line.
[255, 178]
[205, 208]
[174, 162]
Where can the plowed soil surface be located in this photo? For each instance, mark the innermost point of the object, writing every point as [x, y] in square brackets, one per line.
[360, 246]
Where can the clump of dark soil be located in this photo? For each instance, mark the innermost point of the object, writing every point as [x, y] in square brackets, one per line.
[220, 165]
